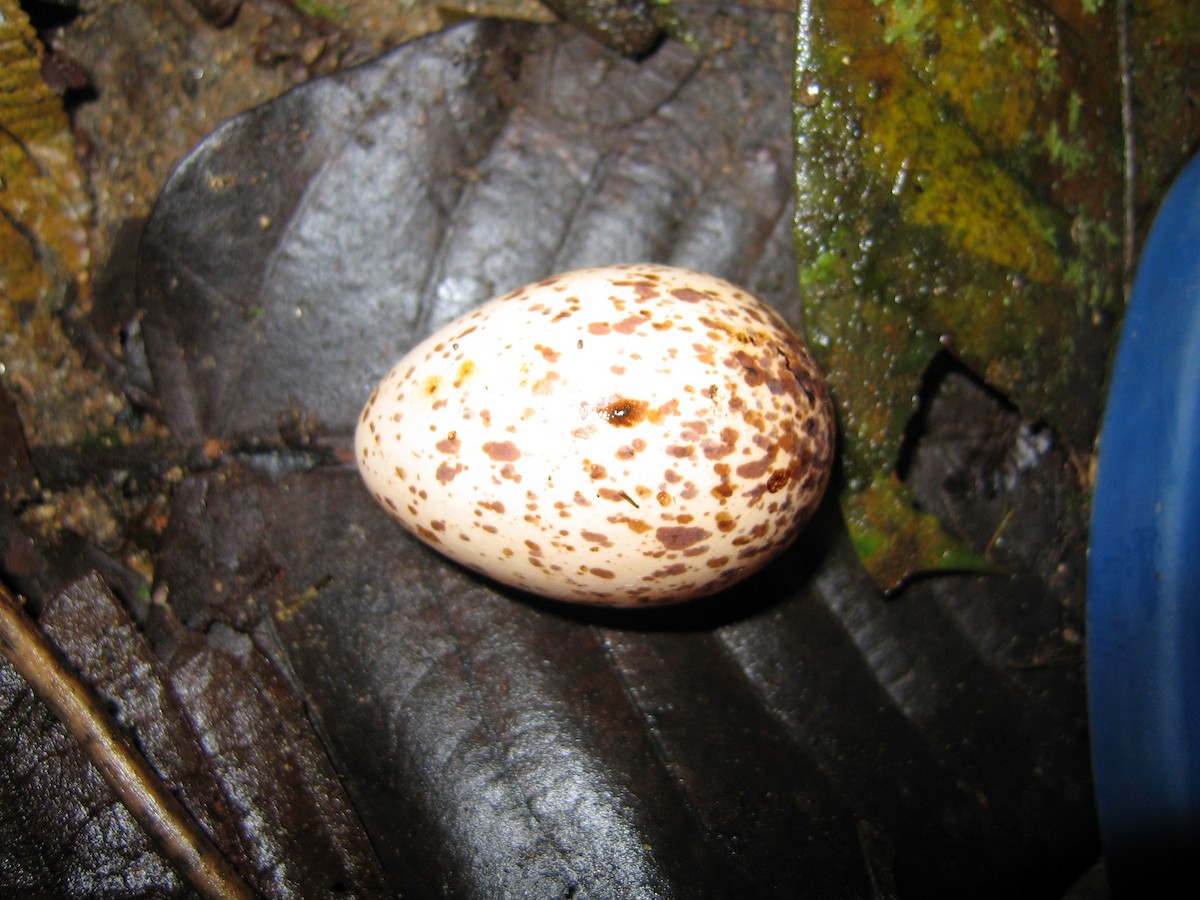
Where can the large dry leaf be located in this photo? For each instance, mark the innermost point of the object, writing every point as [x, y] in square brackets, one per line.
[218, 724]
[798, 734]
[382, 202]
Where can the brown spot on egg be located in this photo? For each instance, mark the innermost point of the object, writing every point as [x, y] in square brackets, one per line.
[755, 420]
[623, 412]
[630, 450]
[502, 451]
[427, 535]
[595, 537]
[714, 450]
[629, 324]
[757, 532]
[465, 371]
[645, 289]
[778, 481]
[545, 386]
[599, 328]
[724, 490]
[610, 494]
[663, 498]
[672, 571]
[757, 468]
[602, 573]
[677, 537]
[450, 444]
[637, 526]
[446, 473]
[752, 372]
[688, 295]
[366, 413]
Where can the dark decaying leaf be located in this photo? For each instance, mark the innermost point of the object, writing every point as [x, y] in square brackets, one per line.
[219, 724]
[797, 736]
[71, 837]
[627, 26]
[495, 747]
[17, 477]
[382, 202]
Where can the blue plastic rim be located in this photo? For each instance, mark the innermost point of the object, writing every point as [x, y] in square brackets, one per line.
[1143, 618]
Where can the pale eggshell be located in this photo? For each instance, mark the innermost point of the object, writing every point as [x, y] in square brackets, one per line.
[623, 435]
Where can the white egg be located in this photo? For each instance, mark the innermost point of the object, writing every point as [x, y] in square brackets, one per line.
[624, 435]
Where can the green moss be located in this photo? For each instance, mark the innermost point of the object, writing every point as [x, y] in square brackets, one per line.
[906, 20]
[104, 437]
[893, 540]
[324, 10]
[1069, 150]
[935, 202]
[1048, 75]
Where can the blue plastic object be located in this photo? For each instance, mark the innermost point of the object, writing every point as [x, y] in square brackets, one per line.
[1143, 617]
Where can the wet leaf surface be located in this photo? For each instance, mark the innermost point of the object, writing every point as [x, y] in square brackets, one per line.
[589, 158]
[70, 828]
[798, 735]
[219, 725]
[965, 186]
[500, 746]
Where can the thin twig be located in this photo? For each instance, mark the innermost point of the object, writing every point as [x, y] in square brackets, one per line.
[127, 772]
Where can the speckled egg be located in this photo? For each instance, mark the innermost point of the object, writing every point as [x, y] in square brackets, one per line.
[625, 435]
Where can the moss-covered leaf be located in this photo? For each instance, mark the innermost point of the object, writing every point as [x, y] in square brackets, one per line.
[960, 184]
[43, 204]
